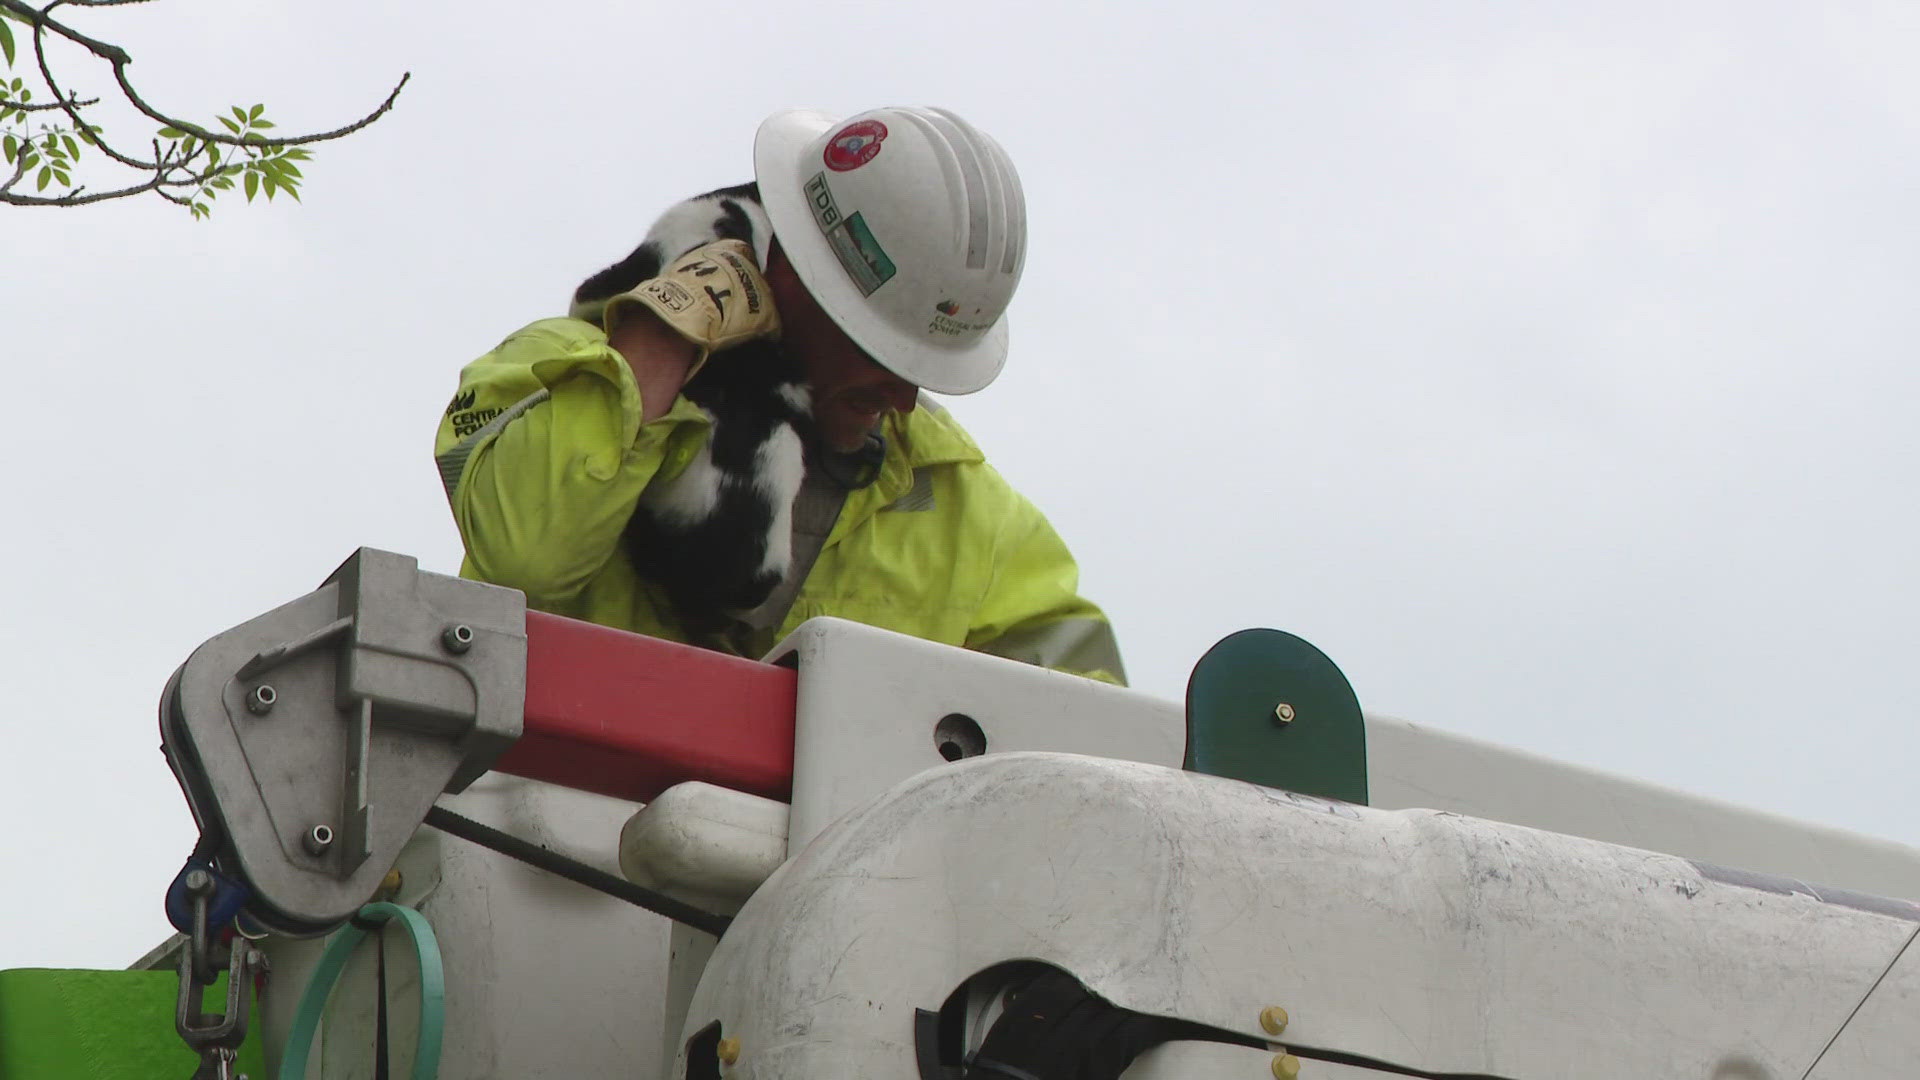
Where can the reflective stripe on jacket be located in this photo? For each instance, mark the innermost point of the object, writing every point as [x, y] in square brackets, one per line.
[544, 457]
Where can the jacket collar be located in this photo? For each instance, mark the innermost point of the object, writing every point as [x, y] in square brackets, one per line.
[929, 435]
[925, 437]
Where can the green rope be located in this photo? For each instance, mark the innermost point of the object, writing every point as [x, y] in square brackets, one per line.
[433, 991]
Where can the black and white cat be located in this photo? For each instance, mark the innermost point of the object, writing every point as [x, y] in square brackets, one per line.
[718, 537]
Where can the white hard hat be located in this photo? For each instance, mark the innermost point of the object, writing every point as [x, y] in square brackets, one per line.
[908, 227]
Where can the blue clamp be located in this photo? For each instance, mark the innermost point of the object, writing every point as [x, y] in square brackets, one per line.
[229, 896]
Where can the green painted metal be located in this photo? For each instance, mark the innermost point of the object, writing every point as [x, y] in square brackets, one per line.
[1233, 730]
[60, 1023]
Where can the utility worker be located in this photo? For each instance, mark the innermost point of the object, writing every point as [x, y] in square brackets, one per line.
[893, 243]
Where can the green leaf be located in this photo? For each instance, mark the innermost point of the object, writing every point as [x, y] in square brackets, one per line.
[12, 147]
[263, 123]
[224, 183]
[298, 154]
[26, 95]
[6, 41]
[64, 179]
[172, 133]
[254, 113]
[287, 169]
[239, 114]
[231, 126]
[73, 148]
[29, 157]
[253, 184]
[267, 183]
[292, 189]
[46, 177]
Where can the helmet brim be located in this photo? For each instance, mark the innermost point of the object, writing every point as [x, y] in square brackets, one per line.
[780, 150]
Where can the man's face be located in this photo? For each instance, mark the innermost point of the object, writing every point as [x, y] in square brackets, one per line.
[850, 391]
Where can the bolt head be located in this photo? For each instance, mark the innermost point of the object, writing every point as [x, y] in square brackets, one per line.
[1273, 1019]
[1285, 1067]
[260, 702]
[318, 839]
[457, 638]
[199, 881]
[1283, 713]
[729, 1050]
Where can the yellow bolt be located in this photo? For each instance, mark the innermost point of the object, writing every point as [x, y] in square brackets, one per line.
[1273, 1019]
[1285, 1067]
[1283, 712]
[729, 1050]
[390, 885]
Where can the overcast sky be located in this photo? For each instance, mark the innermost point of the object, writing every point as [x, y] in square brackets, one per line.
[1550, 366]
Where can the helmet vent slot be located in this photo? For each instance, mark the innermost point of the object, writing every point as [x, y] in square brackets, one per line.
[960, 142]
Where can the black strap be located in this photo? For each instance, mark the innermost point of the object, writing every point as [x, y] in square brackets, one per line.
[1054, 1028]
[573, 870]
[377, 930]
[380, 1069]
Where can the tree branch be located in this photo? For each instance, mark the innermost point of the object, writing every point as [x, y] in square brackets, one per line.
[73, 113]
[112, 54]
[74, 197]
[193, 163]
[198, 132]
[19, 170]
[50, 106]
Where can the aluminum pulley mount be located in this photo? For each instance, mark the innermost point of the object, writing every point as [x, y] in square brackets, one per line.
[311, 741]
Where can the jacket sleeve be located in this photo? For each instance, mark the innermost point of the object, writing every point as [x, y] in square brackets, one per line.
[1033, 611]
[543, 457]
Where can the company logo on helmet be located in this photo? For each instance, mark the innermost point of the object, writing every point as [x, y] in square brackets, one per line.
[854, 145]
[947, 307]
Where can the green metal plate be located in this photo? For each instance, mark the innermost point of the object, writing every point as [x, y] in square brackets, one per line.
[65, 1024]
[1267, 707]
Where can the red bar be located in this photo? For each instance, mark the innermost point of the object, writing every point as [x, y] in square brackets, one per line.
[630, 716]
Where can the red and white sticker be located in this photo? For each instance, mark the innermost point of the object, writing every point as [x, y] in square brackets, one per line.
[854, 145]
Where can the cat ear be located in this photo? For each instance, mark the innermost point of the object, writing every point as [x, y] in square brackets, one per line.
[762, 238]
[593, 293]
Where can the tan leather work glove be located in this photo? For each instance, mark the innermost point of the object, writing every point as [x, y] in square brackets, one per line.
[713, 296]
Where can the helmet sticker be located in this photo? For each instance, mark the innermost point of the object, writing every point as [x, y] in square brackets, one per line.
[860, 253]
[854, 145]
[852, 242]
[946, 321]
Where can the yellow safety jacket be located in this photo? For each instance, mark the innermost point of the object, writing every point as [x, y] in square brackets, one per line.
[544, 457]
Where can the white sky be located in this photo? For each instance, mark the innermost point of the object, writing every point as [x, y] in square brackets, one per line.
[1548, 369]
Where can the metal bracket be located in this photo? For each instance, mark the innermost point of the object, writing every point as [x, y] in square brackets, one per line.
[312, 739]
